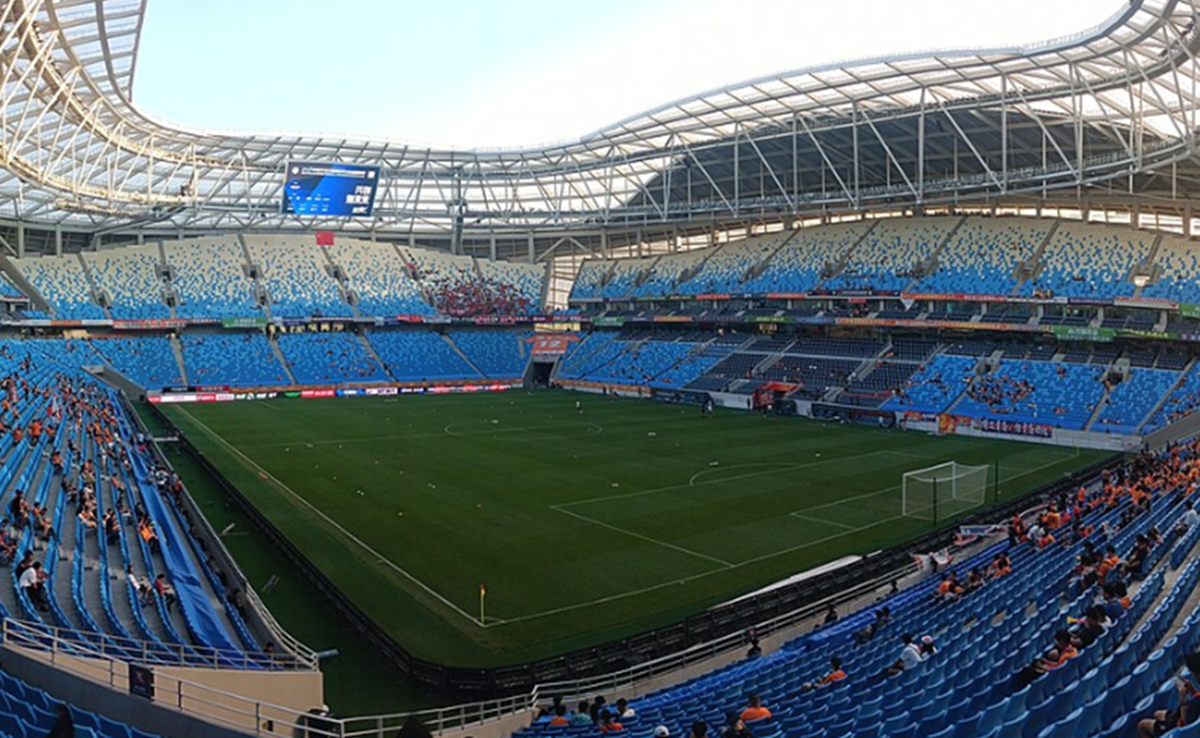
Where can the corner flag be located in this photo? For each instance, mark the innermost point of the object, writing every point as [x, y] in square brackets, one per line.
[482, 595]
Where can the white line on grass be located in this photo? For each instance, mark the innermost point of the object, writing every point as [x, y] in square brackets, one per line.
[641, 537]
[508, 429]
[821, 521]
[693, 483]
[337, 526]
[443, 433]
[755, 560]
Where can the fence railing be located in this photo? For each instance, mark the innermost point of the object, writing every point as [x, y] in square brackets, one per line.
[91, 662]
[153, 653]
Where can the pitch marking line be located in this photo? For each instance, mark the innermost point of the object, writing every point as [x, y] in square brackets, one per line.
[445, 432]
[755, 560]
[639, 536]
[593, 429]
[694, 481]
[822, 521]
[337, 526]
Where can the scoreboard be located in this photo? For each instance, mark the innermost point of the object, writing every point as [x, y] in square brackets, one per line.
[338, 190]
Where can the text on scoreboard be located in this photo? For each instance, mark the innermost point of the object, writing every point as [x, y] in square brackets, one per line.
[339, 190]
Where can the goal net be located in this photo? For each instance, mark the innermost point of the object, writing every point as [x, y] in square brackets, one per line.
[941, 491]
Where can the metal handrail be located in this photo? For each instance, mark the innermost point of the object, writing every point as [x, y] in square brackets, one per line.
[153, 653]
[256, 717]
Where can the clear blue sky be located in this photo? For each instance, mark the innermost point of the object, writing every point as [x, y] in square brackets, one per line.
[474, 73]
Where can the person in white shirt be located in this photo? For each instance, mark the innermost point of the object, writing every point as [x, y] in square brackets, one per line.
[32, 581]
[910, 656]
[1191, 517]
[141, 588]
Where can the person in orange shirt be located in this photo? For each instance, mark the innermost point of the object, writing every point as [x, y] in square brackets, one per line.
[755, 711]
[835, 675]
[1110, 562]
[1063, 651]
[607, 724]
[560, 715]
[1001, 566]
[949, 588]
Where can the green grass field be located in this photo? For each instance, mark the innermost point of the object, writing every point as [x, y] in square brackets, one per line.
[584, 526]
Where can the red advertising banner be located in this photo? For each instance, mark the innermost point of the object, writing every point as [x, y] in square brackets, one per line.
[324, 238]
[552, 344]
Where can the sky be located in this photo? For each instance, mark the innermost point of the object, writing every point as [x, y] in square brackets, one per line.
[515, 73]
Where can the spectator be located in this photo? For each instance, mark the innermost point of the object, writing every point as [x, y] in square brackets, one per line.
[33, 581]
[607, 723]
[1182, 715]
[735, 727]
[1092, 626]
[699, 730]
[1113, 607]
[835, 675]
[141, 588]
[164, 590]
[949, 589]
[624, 711]
[755, 710]
[412, 728]
[64, 725]
[911, 655]
[582, 714]
[597, 705]
[560, 715]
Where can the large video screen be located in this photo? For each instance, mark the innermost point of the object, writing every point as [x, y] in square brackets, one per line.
[338, 190]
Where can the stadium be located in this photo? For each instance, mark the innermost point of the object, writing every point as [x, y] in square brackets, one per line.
[860, 400]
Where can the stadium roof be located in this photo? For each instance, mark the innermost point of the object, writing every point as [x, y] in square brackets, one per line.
[1113, 107]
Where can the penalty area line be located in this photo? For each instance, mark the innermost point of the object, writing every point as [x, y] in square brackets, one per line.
[380, 558]
[640, 537]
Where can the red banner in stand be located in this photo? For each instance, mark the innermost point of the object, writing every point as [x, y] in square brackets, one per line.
[324, 238]
[552, 344]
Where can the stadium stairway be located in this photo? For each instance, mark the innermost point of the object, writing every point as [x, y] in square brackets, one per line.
[1151, 262]
[844, 259]
[257, 283]
[36, 300]
[1037, 259]
[935, 257]
[274, 344]
[338, 272]
[1183, 378]
[462, 355]
[177, 350]
[91, 280]
[762, 266]
[1101, 404]
[362, 339]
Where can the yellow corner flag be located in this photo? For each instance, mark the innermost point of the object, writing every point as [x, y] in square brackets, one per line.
[482, 595]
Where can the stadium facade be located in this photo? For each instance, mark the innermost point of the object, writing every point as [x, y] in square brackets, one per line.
[1101, 120]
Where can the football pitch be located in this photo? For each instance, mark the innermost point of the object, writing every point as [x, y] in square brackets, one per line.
[583, 526]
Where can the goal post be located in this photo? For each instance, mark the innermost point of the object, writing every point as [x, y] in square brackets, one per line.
[937, 492]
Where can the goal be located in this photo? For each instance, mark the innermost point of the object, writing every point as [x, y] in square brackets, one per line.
[938, 492]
